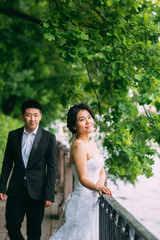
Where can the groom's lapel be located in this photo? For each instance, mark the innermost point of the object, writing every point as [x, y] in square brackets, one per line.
[36, 143]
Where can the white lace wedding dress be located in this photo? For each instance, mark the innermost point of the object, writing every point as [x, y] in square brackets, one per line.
[82, 209]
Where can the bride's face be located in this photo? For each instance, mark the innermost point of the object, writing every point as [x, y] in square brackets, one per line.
[84, 122]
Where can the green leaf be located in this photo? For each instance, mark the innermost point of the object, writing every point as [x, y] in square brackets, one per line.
[139, 76]
[83, 36]
[49, 36]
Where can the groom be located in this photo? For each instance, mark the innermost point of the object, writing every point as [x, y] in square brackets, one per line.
[30, 157]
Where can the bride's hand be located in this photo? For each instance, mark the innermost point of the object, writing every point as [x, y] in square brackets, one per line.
[103, 189]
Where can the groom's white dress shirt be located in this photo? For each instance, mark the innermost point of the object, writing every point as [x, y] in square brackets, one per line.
[27, 143]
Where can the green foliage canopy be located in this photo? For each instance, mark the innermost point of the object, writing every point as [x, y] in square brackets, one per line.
[114, 52]
[30, 65]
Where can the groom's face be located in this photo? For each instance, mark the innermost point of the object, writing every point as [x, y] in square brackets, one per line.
[31, 118]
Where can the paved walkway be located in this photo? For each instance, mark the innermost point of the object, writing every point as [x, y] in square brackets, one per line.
[49, 223]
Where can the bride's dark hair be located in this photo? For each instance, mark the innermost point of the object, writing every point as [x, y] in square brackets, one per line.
[72, 115]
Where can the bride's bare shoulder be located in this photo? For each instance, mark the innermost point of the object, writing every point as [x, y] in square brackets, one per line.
[78, 149]
[78, 146]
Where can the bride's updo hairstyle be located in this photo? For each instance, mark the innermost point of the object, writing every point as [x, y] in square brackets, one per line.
[72, 115]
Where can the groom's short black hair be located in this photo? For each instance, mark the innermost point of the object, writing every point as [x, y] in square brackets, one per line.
[31, 103]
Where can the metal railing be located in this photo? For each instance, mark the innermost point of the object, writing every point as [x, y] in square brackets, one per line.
[116, 223]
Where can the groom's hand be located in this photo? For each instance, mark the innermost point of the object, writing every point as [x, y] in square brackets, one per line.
[3, 197]
[48, 203]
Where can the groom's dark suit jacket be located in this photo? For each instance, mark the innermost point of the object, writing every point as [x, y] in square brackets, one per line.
[40, 172]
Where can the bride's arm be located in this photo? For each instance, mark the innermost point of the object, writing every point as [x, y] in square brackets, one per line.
[79, 155]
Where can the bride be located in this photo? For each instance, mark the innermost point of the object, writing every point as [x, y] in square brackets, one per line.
[82, 209]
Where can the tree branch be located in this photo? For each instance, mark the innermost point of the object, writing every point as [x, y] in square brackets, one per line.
[147, 114]
[12, 12]
[93, 87]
